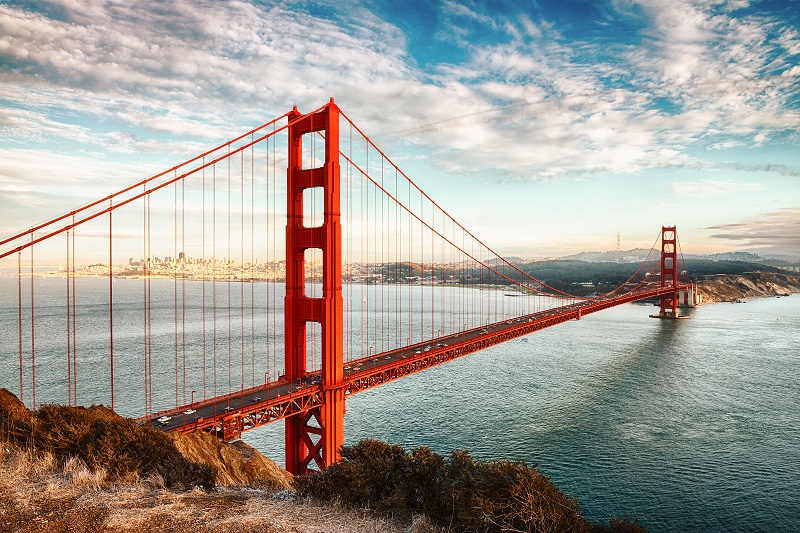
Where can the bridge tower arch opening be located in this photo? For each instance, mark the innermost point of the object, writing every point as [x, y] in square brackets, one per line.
[317, 434]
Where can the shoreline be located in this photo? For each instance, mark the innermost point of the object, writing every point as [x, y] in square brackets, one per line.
[735, 288]
[719, 288]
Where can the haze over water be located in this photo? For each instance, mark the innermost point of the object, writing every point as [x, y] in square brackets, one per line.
[688, 425]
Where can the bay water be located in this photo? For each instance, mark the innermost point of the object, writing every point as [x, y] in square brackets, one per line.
[689, 425]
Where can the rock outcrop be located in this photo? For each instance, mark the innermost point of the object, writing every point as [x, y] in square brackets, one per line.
[732, 287]
[104, 440]
[234, 464]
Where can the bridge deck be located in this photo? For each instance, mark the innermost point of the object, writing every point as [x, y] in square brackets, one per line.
[229, 415]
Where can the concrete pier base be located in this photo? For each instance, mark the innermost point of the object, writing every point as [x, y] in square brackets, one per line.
[669, 316]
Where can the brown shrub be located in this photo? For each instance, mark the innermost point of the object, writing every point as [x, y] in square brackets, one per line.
[458, 493]
[102, 440]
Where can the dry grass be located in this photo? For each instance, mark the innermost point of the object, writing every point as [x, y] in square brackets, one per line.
[80, 470]
[38, 495]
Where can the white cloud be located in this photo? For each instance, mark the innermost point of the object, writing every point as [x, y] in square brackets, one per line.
[708, 188]
[773, 233]
[169, 77]
[169, 61]
[562, 119]
[725, 145]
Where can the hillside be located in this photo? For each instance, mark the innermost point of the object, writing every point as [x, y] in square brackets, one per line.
[732, 287]
[84, 470]
[87, 469]
[584, 278]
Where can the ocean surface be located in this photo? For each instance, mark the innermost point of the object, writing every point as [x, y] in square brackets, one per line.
[690, 425]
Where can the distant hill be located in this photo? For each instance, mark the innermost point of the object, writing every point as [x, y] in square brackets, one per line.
[583, 278]
[512, 259]
[636, 255]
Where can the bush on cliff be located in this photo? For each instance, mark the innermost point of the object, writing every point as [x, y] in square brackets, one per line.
[459, 492]
[101, 439]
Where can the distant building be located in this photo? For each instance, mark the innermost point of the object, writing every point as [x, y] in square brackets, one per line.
[691, 297]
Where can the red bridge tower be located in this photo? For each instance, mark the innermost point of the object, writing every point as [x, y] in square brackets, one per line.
[319, 433]
[669, 271]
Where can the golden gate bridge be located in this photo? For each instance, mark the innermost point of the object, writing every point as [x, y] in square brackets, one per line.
[366, 279]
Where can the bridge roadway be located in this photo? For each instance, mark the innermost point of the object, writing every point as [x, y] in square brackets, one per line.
[229, 415]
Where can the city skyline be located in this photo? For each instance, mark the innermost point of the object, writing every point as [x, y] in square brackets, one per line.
[547, 128]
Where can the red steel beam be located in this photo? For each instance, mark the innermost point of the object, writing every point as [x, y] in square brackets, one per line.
[245, 415]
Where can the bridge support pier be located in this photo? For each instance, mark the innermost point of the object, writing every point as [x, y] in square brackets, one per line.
[315, 435]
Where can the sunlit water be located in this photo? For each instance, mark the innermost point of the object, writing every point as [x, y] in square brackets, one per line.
[689, 425]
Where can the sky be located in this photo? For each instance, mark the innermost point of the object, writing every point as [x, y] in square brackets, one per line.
[546, 127]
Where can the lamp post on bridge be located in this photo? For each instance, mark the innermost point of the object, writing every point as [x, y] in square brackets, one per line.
[193, 397]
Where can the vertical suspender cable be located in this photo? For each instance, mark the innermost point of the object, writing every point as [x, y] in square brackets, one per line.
[214, 266]
[69, 333]
[252, 266]
[442, 280]
[74, 323]
[175, 281]
[274, 253]
[33, 335]
[350, 244]
[398, 293]
[148, 259]
[380, 262]
[384, 237]
[205, 272]
[252, 261]
[111, 297]
[144, 299]
[241, 255]
[433, 272]
[422, 272]
[268, 283]
[375, 230]
[228, 271]
[19, 317]
[183, 285]
[408, 257]
[365, 226]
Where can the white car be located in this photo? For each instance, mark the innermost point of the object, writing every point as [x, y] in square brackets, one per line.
[189, 412]
[164, 419]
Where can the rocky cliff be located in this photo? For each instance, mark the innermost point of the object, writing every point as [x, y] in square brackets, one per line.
[732, 287]
[234, 464]
[123, 450]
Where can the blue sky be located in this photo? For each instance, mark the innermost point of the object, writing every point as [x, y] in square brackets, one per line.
[546, 127]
